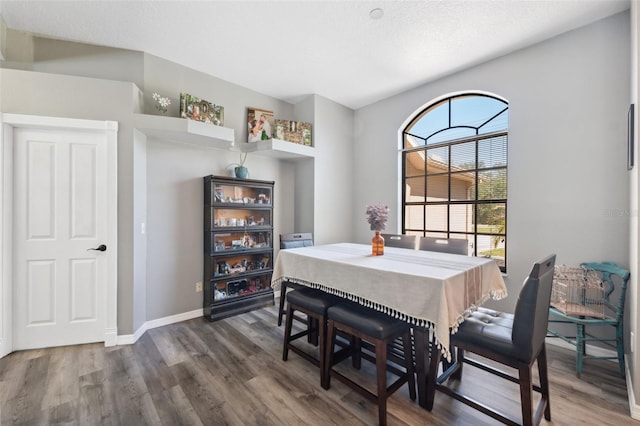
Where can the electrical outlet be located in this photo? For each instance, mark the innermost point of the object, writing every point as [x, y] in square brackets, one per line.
[198, 286]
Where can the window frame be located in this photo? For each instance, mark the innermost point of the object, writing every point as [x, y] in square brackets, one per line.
[475, 201]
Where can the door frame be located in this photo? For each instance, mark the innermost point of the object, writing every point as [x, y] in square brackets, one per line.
[110, 129]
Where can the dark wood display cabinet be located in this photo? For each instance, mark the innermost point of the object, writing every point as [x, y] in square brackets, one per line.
[238, 245]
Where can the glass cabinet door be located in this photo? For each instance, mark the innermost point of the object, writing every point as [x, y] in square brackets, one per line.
[237, 193]
[239, 287]
[246, 263]
[229, 242]
[244, 218]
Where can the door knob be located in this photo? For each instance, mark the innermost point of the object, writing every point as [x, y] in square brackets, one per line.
[101, 247]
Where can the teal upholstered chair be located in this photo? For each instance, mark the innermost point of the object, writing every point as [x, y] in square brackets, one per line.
[613, 317]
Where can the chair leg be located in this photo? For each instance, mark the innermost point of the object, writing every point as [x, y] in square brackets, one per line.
[432, 375]
[312, 326]
[322, 332]
[544, 382]
[408, 356]
[283, 292]
[381, 373]
[526, 391]
[459, 359]
[422, 351]
[287, 333]
[580, 349]
[356, 357]
[620, 347]
[325, 381]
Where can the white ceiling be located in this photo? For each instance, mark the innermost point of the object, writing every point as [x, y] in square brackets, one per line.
[289, 49]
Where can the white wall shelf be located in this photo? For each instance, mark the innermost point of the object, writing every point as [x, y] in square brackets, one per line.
[276, 148]
[182, 130]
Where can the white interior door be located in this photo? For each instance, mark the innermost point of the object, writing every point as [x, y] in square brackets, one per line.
[61, 213]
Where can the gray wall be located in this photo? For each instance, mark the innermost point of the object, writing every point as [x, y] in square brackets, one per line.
[568, 187]
[160, 182]
[333, 172]
[568, 181]
[174, 183]
[31, 53]
[34, 93]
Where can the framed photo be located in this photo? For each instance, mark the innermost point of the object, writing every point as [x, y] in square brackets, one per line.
[630, 134]
[197, 109]
[294, 131]
[260, 124]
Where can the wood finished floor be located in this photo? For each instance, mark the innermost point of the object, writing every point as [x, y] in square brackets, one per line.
[231, 373]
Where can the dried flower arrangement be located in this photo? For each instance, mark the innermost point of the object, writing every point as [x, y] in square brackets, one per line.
[378, 216]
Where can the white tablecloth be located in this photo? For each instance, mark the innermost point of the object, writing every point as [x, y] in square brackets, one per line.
[424, 288]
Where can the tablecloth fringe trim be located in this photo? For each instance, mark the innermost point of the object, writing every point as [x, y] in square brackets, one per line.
[418, 322]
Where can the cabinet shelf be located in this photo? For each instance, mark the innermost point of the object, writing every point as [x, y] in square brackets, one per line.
[276, 148]
[246, 228]
[182, 130]
[232, 252]
[240, 275]
[248, 206]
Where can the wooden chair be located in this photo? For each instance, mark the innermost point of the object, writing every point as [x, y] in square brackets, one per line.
[400, 240]
[366, 324]
[612, 316]
[313, 303]
[516, 341]
[444, 245]
[289, 241]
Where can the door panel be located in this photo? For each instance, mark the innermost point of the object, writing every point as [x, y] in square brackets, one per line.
[60, 213]
[84, 290]
[41, 292]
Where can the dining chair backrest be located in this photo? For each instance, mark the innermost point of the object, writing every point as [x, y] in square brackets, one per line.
[606, 270]
[400, 240]
[531, 315]
[444, 245]
[303, 239]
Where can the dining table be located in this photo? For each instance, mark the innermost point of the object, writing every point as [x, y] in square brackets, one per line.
[432, 291]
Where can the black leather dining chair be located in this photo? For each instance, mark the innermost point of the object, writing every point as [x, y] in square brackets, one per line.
[516, 341]
[400, 240]
[289, 241]
[380, 330]
[444, 245]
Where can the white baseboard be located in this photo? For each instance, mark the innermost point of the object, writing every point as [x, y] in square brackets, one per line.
[591, 350]
[130, 339]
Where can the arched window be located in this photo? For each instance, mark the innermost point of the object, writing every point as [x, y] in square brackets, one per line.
[454, 173]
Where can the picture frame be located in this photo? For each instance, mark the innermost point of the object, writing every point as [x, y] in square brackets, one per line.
[294, 131]
[260, 124]
[194, 108]
[630, 136]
